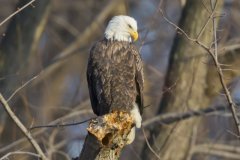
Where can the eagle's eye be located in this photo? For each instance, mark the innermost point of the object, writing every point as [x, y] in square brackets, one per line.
[129, 26]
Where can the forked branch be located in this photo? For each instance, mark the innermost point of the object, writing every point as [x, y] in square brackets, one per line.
[213, 52]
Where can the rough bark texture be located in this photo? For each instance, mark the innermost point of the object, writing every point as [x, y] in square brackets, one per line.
[107, 135]
[187, 79]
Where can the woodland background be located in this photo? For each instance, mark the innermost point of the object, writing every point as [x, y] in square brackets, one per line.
[43, 56]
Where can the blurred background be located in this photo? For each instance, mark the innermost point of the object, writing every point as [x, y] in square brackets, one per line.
[48, 43]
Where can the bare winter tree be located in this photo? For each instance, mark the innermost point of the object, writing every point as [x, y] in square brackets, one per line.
[190, 50]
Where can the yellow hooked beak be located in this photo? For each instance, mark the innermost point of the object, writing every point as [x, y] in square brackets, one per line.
[134, 35]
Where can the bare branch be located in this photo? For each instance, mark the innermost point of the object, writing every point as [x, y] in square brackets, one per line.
[5, 157]
[16, 12]
[74, 113]
[60, 125]
[229, 152]
[149, 146]
[213, 54]
[169, 118]
[21, 87]
[22, 128]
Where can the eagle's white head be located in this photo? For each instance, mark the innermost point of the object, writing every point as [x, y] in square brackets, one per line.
[122, 28]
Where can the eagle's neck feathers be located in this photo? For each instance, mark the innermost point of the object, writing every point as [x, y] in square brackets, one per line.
[117, 36]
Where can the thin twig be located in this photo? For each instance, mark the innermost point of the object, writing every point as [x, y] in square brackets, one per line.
[16, 12]
[192, 143]
[223, 147]
[213, 54]
[5, 157]
[228, 152]
[213, 6]
[149, 146]
[60, 125]
[205, 25]
[75, 113]
[21, 87]
[183, 32]
[22, 127]
[169, 118]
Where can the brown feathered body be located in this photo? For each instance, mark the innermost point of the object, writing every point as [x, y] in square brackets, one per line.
[115, 77]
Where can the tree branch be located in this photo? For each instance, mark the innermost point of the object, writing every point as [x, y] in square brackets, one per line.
[74, 113]
[22, 128]
[169, 118]
[214, 55]
[5, 157]
[16, 12]
[107, 135]
[149, 146]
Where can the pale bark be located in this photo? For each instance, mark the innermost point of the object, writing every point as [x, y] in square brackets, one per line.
[187, 82]
[107, 136]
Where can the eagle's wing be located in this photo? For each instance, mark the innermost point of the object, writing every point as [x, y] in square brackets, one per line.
[139, 79]
[91, 90]
[92, 79]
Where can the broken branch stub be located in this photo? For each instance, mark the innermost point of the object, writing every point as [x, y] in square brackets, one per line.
[107, 135]
[112, 129]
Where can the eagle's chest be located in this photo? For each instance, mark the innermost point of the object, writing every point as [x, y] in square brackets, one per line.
[115, 65]
[121, 66]
[116, 76]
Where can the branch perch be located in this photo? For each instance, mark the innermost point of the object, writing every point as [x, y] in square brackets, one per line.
[107, 135]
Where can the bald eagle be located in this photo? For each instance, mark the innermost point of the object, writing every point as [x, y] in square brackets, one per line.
[115, 71]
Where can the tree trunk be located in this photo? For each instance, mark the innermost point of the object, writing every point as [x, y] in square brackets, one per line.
[186, 81]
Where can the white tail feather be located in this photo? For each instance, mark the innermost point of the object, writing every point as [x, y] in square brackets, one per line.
[136, 115]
